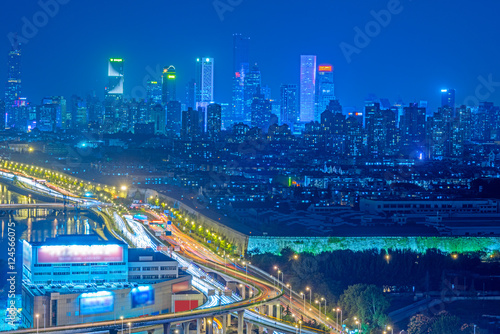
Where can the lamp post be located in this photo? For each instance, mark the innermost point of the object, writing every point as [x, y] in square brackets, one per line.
[290, 286]
[122, 322]
[341, 322]
[324, 299]
[319, 308]
[310, 294]
[37, 321]
[300, 326]
[389, 328]
[129, 327]
[304, 299]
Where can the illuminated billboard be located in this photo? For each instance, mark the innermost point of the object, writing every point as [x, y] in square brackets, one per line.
[325, 68]
[142, 296]
[27, 253]
[80, 254]
[96, 302]
[181, 286]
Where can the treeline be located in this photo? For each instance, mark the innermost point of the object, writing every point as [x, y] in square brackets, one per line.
[330, 273]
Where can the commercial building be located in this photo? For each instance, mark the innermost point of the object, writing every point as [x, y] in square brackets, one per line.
[288, 104]
[204, 81]
[78, 279]
[13, 87]
[307, 88]
[325, 88]
[169, 86]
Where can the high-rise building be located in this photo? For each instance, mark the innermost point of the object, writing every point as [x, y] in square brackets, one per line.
[241, 46]
[261, 111]
[168, 84]
[204, 80]
[325, 88]
[13, 86]
[289, 104]
[413, 131]
[307, 88]
[50, 113]
[158, 116]
[153, 92]
[174, 117]
[191, 94]
[214, 120]
[252, 83]
[448, 99]
[115, 78]
[2, 116]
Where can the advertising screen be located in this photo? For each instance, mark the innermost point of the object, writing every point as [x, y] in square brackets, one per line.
[26, 254]
[96, 302]
[181, 286]
[80, 254]
[142, 296]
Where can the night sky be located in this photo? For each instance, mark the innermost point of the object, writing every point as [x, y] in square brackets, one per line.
[427, 46]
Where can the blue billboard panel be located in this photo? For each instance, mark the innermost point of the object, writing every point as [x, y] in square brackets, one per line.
[96, 302]
[142, 296]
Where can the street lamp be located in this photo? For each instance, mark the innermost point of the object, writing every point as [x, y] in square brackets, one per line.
[310, 294]
[319, 308]
[129, 327]
[122, 322]
[325, 304]
[37, 321]
[300, 326]
[290, 286]
[390, 328]
[303, 298]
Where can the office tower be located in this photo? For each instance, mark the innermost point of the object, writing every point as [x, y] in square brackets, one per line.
[13, 85]
[266, 91]
[158, 117]
[252, 83]
[241, 46]
[214, 121]
[113, 108]
[154, 92]
[115, 78]
[204, 81]
[192, 124]
[2, 116]
[413, 131]
[325, 88]
[81, 118]
[191, 94]
[168, 84]
[448, 99]
[50, 113]
[307, 88]
[173, 117]
[289, 104]
[261, 111]
[354, 136]
[227, 115]
[380, 130]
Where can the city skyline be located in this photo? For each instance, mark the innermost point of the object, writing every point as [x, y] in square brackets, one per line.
[381, 75]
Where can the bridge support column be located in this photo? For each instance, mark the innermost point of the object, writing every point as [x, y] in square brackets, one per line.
[240, 321]
[243, 291]
[198, 326]
[186, 327]
[278, 311]
[209, 325]
[166, 328]
[224, 324]
[249, 327]
[151, 331]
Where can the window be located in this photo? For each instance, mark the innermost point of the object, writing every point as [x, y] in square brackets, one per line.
[68, 300]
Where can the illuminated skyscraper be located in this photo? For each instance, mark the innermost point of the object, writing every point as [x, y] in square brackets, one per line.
[115, 78]
[13, 87]
[307, 88]
[214, 120]
[204, 81]
[325, 88]
[154, 92]
[252, 83]
[448, 99]
[289, 105]
[241, 47]
[168, 85]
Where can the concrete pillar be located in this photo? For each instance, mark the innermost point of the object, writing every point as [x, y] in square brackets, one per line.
[278, 311]
[224, 324]
[150, 331]
[270, 310]
[209, 325]
[198, 326]
[240, 321]
[229, 319]
[166, 328]
[243, 291]
[186, 327]
[249, 327]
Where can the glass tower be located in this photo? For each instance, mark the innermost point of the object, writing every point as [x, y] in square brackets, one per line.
[307, 88]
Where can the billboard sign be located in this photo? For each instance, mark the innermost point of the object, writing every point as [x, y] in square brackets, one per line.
[181, 286]
[142, 296]
[27, 254]
[96, 302]
[325, 68]
[80, 254]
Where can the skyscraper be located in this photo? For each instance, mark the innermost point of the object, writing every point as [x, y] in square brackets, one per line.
[307, 87]
[241, 46]
[115, 78]
[154, 92]
[204, 81]
[13, 87]
[174, 117]
[413, 130]
[448, 98]
[252, 83]
[325, 88]
[214, 120]
[261, 111]
[289, 105]
[168, 84]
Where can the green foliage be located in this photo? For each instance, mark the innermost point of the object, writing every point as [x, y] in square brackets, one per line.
[419, 324]
[445, 323]
[366, 302]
